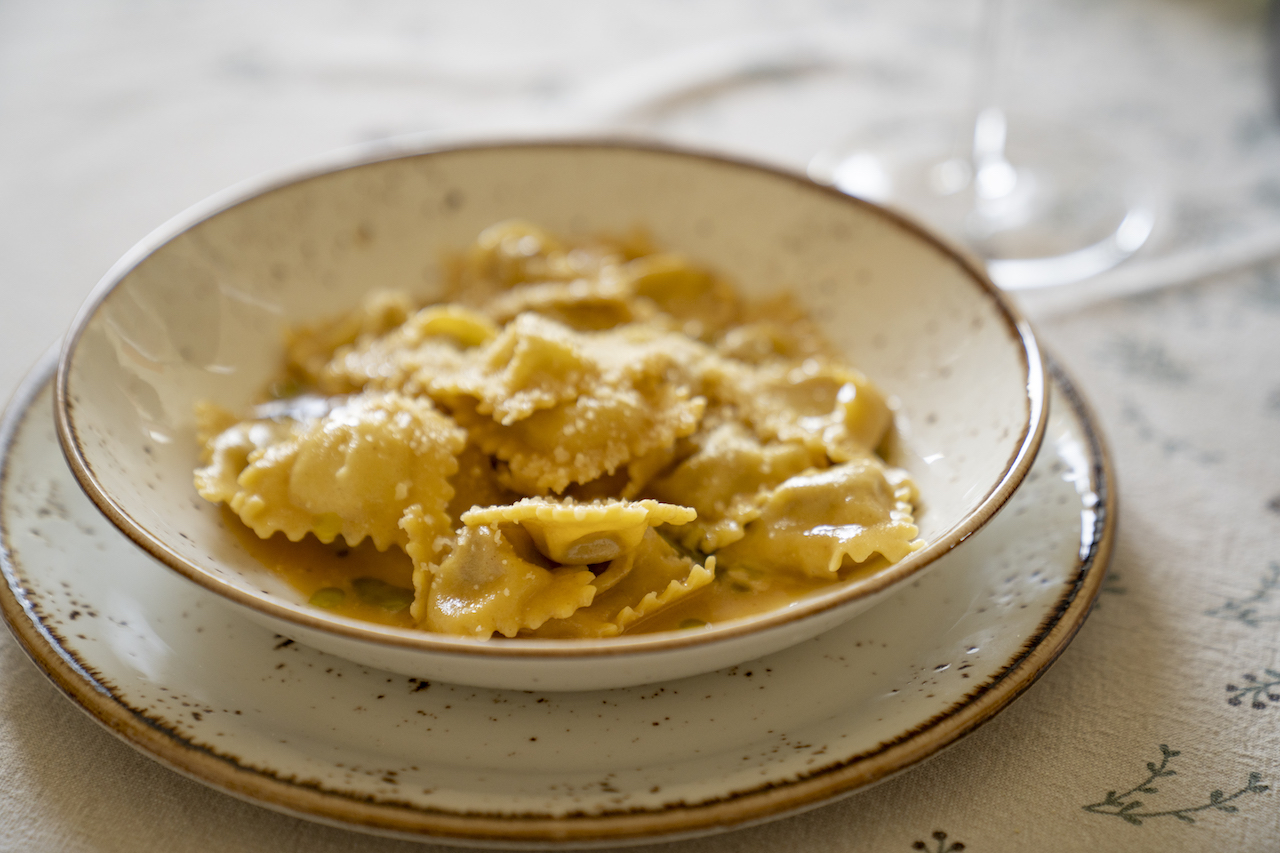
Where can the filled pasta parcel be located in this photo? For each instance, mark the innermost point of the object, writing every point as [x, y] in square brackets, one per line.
[583, 439]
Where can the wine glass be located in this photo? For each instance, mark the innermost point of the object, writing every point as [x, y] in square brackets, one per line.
[1041, 203]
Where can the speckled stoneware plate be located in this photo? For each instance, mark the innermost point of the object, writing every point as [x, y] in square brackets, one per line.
[183, 677]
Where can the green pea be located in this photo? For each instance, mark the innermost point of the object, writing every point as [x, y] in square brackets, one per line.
[287, 387]
[328, 597]
[692, 623]
[379, 593]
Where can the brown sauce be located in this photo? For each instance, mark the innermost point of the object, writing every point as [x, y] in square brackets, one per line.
[362, 573]
[312, 568]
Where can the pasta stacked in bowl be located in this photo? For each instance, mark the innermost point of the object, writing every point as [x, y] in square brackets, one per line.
[583, 437]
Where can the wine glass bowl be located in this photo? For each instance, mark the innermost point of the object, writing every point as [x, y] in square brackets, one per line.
[1041, 203]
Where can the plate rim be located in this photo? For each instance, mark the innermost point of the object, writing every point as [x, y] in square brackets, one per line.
[734, 810]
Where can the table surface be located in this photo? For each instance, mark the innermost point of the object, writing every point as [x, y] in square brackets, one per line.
[115, 116]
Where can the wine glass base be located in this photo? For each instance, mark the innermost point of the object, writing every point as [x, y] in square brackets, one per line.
[1059, 207]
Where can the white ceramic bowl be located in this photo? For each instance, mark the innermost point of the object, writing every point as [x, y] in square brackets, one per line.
[195, 312]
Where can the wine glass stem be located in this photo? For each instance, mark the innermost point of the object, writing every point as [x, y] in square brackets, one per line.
[993, 176]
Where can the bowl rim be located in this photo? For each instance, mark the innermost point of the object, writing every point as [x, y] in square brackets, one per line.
[1015, 470]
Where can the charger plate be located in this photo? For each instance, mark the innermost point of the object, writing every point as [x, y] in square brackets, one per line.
[182, 678]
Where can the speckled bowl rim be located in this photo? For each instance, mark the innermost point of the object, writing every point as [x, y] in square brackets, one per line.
[1015, 469]
[75, 678]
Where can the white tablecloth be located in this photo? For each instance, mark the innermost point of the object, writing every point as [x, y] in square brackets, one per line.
[115, 116]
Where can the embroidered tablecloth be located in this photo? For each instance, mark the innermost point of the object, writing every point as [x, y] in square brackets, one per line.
[1159, 728]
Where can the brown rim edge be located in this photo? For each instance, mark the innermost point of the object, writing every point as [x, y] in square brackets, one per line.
[735, 810]
[1016, 468]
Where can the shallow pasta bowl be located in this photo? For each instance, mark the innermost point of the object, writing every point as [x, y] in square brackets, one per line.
[196, 312]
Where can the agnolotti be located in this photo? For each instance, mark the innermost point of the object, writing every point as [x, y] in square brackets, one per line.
[635, 585]
[725, 480]
[428, 344]
[584, 438]
[493, 581]
[816, 522]
[354, 471]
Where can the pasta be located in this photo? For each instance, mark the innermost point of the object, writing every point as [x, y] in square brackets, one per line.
[582, 534]
[586, 439]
